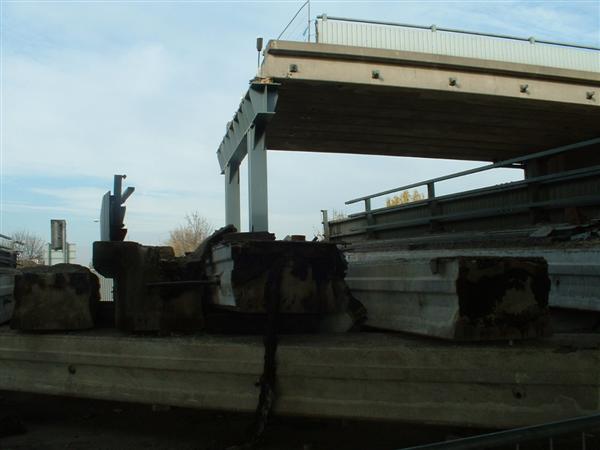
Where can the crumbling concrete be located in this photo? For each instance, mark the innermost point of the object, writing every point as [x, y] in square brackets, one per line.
[7, 298]
[312, 275]
[462, 298]
[311, 281]
[228, 273]
[60, 297]
[150, 289]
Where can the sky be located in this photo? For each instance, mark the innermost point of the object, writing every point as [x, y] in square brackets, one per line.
[94, 88]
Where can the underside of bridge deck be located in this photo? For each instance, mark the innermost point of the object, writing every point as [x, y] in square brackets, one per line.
[338, 118]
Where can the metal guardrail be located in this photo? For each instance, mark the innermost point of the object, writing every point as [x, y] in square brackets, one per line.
[512, 162]
[543, 179]
[518, 436]
[532, 40]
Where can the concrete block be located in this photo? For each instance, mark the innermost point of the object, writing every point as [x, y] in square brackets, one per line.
[309, 280]
[459, 297]
[573, 267]
[311, 275]
[60, 297]
[230, 273]
[141, 303]
[7, 298]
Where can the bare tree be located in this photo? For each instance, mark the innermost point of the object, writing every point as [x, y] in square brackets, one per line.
[187, 237]
[30, 248]
[338, 215]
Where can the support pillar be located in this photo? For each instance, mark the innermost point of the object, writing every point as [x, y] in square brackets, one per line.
[232, 196]
[258, 209]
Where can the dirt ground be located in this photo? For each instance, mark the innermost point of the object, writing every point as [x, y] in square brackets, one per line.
[59, 423]
[54, 423]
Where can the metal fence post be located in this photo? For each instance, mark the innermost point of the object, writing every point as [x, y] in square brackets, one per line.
[433, 207]
[370, 219]
[431, 190]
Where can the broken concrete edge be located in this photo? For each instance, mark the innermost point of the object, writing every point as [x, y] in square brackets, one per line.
[151, 283]
[463, 298]
[59, 297]
[7, 298]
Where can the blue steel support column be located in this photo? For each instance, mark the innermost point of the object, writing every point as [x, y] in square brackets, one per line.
[258, 208]
[232, 196]
[245, 136]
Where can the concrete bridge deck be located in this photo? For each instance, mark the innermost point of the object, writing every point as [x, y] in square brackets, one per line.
[345, 99]
[355, 100]
[388, 377]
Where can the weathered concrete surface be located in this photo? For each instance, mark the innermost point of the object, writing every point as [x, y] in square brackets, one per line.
[573, 266]
[7, 298]
[157, 291]
[308, 278]
[311, 278]
[458, 297]
[140, 305]
[362, 375]
[60, 297]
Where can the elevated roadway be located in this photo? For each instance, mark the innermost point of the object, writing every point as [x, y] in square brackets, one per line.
[347, 99]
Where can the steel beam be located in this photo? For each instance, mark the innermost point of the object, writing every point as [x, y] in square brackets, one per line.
[232, 196]
[255, 108]
[258, 204]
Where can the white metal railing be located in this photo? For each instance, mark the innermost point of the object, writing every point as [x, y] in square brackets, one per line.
[456, 42]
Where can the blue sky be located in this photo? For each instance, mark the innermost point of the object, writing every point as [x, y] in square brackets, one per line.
[90, 89]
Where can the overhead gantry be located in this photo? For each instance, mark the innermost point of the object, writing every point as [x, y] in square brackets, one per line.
[246, 137]
[345, 99]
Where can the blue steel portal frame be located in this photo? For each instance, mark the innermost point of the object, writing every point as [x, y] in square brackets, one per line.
[246, 135]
